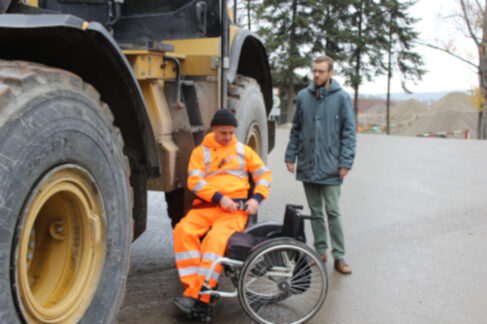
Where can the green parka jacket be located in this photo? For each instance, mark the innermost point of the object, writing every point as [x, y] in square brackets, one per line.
[322, 135]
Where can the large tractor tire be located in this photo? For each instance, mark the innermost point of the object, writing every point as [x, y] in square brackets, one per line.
[65, 201]
[245, 98]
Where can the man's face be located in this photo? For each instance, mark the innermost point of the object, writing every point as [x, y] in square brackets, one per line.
[321, 74]
[223, 134]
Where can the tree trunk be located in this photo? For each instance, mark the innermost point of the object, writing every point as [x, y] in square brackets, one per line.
[355, 103]
[481, 125]
[482, 132]
[388, 97]
[357, 78]
[290, 100]
[249, 24]
[290, 71]
[356, 84]
[389, 77]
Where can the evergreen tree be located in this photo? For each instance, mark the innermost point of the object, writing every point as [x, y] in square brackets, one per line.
[330, 30]
[367, 38]
[285, 27]
[246, 13]
[400, 54]
[364, 50]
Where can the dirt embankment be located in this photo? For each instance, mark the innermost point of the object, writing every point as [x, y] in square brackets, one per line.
[453, 112]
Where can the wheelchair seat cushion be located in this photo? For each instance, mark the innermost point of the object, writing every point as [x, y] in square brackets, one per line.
[240, 244]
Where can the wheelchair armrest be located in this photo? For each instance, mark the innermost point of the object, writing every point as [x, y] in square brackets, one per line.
[310, 217]
[299, 207]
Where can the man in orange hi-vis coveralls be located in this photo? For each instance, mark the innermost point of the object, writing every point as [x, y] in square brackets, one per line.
[218, 173]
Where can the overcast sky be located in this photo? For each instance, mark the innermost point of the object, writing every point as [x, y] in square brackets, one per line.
[445, 73]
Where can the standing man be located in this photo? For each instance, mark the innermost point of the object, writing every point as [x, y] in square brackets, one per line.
[218, 173]
[323, 140]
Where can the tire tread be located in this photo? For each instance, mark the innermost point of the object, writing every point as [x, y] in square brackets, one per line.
[21, 81]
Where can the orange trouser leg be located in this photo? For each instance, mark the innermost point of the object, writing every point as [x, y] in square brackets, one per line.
[187, 234]
[215, 243]
[194, 260]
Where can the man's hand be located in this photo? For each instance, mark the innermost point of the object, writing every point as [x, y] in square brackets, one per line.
[252, 206]
[290, 166]
[343, 172]
[228, 204]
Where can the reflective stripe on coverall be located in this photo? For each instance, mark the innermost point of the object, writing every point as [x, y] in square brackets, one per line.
[193, 265]
[214, 171]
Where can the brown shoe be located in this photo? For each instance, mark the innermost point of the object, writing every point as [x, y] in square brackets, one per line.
[322, 257]
[342, 267]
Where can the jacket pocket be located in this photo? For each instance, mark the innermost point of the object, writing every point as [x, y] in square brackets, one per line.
[328, 161]
[303, 161]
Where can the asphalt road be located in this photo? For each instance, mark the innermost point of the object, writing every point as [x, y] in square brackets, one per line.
[415, 217]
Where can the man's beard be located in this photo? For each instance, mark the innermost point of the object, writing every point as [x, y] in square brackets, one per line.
[321, 85]
[317, 87]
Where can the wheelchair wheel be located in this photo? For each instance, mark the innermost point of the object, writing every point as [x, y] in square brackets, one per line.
[282, 281]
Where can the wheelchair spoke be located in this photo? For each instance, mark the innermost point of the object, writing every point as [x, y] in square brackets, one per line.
[278, 283]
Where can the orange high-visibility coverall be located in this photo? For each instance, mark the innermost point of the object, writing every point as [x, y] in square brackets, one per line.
[213, 171]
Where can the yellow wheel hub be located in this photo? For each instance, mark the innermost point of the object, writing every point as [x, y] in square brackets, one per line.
[61, 247]
[254, 139]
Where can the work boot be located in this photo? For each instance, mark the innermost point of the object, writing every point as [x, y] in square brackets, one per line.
[185, 303]
[342, 267]
[202, 311]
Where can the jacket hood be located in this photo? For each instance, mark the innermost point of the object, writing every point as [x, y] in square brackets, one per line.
[209, 141]
[334, 87]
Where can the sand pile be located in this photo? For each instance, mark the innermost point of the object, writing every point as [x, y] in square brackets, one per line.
[408, 108]
[378, 108]
[405, 114]
[443, 121]
[402, 115]
[372, 105]
[454, 101]
[453, 112]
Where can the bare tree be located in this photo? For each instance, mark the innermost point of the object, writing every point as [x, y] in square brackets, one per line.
[473, 19]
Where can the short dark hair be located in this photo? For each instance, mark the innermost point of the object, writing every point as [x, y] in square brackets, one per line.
[325, 58]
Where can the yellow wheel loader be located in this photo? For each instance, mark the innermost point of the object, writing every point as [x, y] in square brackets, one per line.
[101, 101]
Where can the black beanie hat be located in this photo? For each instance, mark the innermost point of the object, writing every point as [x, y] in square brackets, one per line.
[224, 117]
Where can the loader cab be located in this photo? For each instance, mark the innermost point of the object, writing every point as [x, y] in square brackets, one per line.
[142, 21]
[167, 20]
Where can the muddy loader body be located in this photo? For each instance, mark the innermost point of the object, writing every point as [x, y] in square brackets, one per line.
[100, 101]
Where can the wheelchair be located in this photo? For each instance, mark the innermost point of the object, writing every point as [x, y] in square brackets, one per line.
[276, 276]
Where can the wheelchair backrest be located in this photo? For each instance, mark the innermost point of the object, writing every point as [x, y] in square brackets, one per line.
[293, 225]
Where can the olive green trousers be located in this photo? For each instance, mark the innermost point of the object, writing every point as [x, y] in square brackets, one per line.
[326, 196]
